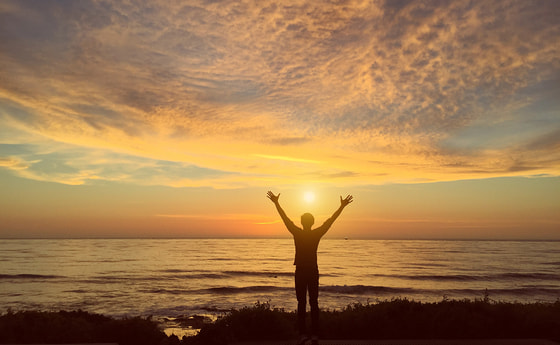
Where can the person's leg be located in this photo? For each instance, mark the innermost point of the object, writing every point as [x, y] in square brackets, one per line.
[301, 292]
[314, 301]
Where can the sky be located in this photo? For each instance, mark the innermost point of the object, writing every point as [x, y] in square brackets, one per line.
[174, 118]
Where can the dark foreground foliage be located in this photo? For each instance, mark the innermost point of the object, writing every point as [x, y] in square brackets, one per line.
[28, 327]
[397, 319]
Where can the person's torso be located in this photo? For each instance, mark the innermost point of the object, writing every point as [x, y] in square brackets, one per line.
[306, 243]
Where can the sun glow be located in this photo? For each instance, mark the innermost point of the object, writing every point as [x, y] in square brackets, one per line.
[309, 197]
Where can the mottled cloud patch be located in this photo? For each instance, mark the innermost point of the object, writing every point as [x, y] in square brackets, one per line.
[13, 163]
[77, 166]
[289, 140]
[451, 90]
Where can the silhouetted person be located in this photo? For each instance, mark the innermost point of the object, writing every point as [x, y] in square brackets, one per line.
[307, 273]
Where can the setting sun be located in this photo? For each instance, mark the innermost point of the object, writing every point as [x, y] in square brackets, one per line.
[309, 197]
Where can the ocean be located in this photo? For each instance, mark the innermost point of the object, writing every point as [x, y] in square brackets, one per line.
[167, 278]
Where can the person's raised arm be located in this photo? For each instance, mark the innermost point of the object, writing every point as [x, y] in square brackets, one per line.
[343, 203]
[287, 221]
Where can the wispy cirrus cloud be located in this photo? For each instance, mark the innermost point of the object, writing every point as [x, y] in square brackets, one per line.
[211, 91]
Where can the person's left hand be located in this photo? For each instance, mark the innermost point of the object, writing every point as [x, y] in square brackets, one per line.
[273, 197]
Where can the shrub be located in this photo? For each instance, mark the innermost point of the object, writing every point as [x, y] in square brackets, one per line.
[76, 327]
[398, 318]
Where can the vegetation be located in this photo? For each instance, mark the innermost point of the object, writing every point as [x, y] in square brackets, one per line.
[398, 318]
[27, 327]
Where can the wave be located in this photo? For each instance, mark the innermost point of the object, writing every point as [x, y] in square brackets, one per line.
[177, 273]
[453, 277]
[547, 292]
[521, 292]
[168, 291]
[169, 277]
[269, 274]
[107, 260]
[221, 290]
[363, 289]
[532, 276]
[195, 276]
[259, 273]
[29, 276]
[179, 277]
[227, 290]
[384, 290]
[403, 291]
[464, 277]
[339, 289]
[342, 289]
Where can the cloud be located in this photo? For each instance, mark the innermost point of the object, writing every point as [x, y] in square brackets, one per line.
[547, 142]
[289, 140]
[13, 163]
[285, 158]
[75, 166]
[445, 87]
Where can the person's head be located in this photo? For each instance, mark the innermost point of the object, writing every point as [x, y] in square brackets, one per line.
[307, 220]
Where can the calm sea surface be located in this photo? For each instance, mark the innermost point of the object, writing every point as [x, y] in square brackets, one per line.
[166, 278]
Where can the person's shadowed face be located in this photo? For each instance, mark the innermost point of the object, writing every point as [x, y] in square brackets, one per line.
[307, 221]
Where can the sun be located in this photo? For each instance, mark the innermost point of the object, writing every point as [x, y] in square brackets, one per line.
[309, 197]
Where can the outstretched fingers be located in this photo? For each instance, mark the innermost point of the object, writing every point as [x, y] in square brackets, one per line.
[349, 198]
[272, 197]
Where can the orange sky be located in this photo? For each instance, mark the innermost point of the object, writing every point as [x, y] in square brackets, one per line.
[174, 119]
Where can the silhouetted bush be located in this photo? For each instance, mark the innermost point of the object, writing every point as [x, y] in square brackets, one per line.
[395, 319]
[402, 318]
[259, 322]
[76, 327]
[398, 318]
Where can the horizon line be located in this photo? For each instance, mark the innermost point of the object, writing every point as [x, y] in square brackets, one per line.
[287, 238]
